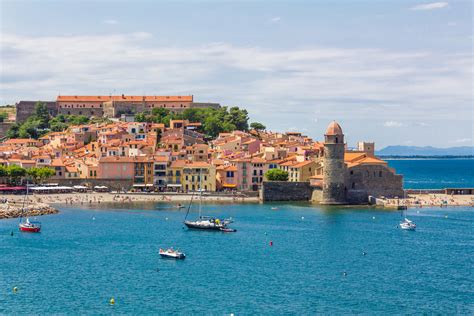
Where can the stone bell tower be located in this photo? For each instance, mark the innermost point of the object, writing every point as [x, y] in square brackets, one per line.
[334, 189]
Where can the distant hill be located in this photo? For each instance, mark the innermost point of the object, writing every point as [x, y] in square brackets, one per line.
[426, 151]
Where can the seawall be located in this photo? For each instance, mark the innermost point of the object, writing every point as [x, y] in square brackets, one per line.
[285, 191]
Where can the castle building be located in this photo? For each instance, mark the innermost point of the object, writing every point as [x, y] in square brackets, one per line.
[110, 106]
[25, 109]
[350, 177]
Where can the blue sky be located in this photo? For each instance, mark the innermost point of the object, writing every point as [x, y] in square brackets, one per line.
[394, 72]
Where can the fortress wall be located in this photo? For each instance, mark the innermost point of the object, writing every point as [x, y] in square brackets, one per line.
[285, 191]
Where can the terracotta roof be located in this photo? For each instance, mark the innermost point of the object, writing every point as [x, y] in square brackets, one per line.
[333, 129]
[132, 98]
[302, 164]
[197, 164]
[115, 159]
[19, 141]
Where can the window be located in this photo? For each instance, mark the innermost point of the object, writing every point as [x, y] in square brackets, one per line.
[353, 185]
[352, 171]
[380, 174]
[255, 172]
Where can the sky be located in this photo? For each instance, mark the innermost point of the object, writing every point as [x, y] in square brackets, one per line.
[394, 72]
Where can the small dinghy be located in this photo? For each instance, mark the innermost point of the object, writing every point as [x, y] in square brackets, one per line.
[228, 230]
[171, 253]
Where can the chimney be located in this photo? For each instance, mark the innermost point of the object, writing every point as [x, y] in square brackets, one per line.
[123, 96]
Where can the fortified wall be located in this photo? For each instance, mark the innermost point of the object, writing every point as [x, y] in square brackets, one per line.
[285, 191]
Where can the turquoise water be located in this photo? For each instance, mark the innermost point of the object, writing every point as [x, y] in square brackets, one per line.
[84, 257]
[435, 173]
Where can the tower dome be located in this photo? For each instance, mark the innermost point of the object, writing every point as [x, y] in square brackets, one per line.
[333, 129]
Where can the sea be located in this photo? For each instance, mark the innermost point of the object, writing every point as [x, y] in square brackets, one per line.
[435, 173]
[285, 258]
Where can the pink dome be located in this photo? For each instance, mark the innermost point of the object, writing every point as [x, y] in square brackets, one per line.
[334, 129]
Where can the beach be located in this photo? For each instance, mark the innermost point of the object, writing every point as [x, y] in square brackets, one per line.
[425, 200]
[93, 198]
[78, 199]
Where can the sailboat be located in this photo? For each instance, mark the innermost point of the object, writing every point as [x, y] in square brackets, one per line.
[207, 222]
[406, 224]
[27, 225]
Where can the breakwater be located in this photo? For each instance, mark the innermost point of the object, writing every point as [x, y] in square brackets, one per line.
[14, 210]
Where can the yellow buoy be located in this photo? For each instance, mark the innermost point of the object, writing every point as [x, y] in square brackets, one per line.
[112, 301]
[15, 289]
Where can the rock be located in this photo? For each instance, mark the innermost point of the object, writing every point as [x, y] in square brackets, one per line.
[13, 210]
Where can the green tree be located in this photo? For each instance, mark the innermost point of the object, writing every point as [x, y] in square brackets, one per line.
[276, 175]
[3, 171]
[3, 116]
[239, 118]
[42, 115]
[30, 129]
[257, 126]
[40, 174]
[13, 131]
[15, 173]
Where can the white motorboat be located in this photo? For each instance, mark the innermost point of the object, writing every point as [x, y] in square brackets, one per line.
[171, 253]
[407, 224]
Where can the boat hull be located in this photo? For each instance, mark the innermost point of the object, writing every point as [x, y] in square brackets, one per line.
[180, 256]
[202, 227]
[30, 229]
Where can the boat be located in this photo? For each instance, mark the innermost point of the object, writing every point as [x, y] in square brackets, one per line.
[407, 224]
[228, 230]
[27, 225]
[207, 222]
[30, 227]
[171, 253]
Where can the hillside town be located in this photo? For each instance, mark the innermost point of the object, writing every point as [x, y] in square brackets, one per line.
[125, 155]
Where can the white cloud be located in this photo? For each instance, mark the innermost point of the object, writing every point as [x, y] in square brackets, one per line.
[430, 6]
[463, 140]
[392, 124]
[277, 86]
[275, 19]
[110, 21]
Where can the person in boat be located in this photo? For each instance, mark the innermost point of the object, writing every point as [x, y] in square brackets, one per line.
[217, 221]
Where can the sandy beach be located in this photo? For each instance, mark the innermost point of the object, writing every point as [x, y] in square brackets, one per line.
[425, 200]
[77, 199]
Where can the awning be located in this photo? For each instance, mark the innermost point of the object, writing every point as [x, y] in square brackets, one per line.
[50, 188]
[80, 187]
[229, 185]
[12, 188]
[142, 185]
[174, 185]
[100, 187]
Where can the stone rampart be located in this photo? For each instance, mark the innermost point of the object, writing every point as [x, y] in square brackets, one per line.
[285, 191]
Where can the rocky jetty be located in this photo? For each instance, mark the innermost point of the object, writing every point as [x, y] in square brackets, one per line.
[13, 210]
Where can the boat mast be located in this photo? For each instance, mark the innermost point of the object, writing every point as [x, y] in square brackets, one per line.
[24, 201]
[200, 193]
